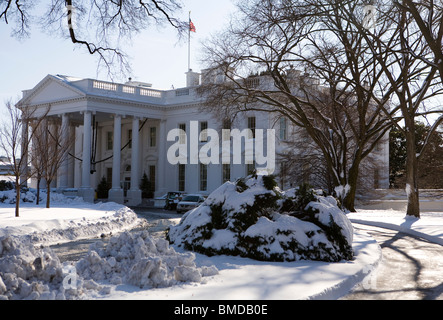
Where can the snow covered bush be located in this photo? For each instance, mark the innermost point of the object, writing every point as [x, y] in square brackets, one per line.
[253, 218]
[9, 196]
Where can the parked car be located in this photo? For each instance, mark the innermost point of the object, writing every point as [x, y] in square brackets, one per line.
[172, 199]
[190, 202]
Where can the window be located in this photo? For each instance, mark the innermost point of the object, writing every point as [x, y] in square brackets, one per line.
[251, 126]
[182, 138]
[226, 175]
[109, 176]
[109, 140]
[181, 177]
[152, 178]
[204, 131]
[227, 124]
[152, 137]
[283, 128]
[203, 177]
[130, 138]
[126, 185]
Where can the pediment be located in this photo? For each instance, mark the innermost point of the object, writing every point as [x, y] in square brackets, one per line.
[50, 90]
[151, 158]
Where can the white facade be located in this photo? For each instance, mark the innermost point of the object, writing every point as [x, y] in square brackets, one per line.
[124, 129]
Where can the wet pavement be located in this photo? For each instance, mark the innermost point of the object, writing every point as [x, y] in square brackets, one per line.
[411, 269]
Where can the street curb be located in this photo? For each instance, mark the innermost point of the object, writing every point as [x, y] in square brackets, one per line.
[342, 288]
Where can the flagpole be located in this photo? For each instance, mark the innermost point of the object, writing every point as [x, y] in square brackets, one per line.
[189, 42]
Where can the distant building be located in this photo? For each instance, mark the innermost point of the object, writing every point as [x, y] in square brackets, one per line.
[121, 132]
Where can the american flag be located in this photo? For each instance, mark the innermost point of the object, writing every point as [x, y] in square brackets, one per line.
[191, 26]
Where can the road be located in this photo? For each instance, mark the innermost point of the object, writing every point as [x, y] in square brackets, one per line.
[411, 269]
[155, 215]
[157, 221]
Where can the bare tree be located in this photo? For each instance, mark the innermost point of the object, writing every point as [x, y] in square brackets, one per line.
[428, 18]
[56, 149]
[36, 150]
[360, 77]
[100, 26]
[410, 66]
[15, 138]
[50, 148]
[302, 162]
[330, 99]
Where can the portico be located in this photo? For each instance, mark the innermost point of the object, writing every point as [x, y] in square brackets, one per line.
[101, 116]
[92, 162]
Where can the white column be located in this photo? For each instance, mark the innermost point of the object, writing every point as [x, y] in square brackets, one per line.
[161, 159]
[25, 145]
[116, 192]
[64, 169]
[135, 194]
[86, 190]
[71, 159]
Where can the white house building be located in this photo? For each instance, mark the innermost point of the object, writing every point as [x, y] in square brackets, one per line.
[121, 132]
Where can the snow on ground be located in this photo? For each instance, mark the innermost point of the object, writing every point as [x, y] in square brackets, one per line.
[429, 226]
[67, 219]
[237, 278]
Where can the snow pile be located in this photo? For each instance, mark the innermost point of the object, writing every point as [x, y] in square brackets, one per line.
[141, 260]
[29, 273]
[253, 218]
[137, 259]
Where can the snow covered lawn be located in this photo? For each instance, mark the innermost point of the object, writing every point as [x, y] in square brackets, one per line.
[66, 220]
[429, 226]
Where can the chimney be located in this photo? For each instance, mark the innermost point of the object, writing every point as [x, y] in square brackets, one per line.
[192, 78]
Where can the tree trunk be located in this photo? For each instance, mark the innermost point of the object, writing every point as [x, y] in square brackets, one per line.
[411, 173]
[48, 194]
[349, 200]
[37, 202]
[17, 198]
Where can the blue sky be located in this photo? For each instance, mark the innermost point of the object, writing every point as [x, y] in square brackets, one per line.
[156, 55]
